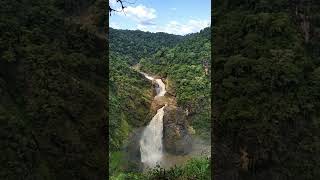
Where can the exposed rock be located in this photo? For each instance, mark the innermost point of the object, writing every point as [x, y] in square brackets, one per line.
[160, 101]
[176, 138]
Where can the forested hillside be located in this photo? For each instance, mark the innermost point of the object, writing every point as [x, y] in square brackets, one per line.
[130, 93]
[185, 63]
[266, 89]
[137, 44]
[187, 69]
[129, 100]
[53, 89]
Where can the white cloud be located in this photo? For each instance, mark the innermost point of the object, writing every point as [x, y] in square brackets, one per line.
[141, 14]
[145, 21]
[192, 26]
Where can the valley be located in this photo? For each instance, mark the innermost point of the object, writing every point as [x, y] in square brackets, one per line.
[169, 93]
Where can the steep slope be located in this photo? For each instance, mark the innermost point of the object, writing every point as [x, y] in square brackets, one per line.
[130, 93]
[186, 68]
[266, 96]
[53, 98]
[130, 97]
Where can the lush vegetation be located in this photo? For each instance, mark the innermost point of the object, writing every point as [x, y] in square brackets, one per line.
[138, 44]
[182, 60]
[266, 89]
[129, 100]
[197, 168]
[52, 90]
[187, 68]
[129, 92]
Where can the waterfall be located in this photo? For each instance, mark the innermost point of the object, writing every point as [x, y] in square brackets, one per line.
[161, 87]
[161, 90]
[147, 76]
[151, 140]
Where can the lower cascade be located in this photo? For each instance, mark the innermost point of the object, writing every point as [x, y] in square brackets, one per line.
[151, 140]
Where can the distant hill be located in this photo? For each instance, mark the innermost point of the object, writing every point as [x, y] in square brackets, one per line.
[138, 44]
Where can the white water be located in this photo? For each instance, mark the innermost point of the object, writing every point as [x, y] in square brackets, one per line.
[151, 140]
[151, 147]
[161, 89]
[147, 76]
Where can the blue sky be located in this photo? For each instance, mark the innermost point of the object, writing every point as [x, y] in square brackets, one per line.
[170, 16]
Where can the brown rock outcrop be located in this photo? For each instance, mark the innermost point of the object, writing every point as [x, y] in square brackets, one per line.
[176, 138]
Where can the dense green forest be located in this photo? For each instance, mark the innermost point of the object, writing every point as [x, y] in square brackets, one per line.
[266, 89]
[187, 67]
[184, 60]
[53, 89]
[136, 44]
[129, 100]
[130, 94]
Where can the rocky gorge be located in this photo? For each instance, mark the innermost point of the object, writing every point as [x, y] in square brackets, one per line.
[177, 141]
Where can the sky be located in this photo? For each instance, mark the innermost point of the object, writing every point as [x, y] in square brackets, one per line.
[171, 16]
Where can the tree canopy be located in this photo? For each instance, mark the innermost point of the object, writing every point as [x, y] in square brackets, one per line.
[265, 96]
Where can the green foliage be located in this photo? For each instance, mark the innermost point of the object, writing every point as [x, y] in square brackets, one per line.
[264, 91]
[130, 93]
[184, 65]
[129, 100]
[138, 44]
[197, 168]
[116, 162]
[193, 169]
[52, 93]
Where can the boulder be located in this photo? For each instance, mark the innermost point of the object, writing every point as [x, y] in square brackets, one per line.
[176, 138]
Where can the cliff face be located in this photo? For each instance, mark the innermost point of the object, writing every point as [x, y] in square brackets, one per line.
[53, 94]
[176, 137]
